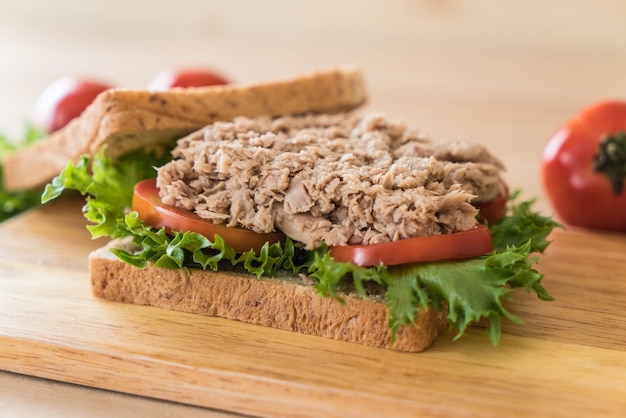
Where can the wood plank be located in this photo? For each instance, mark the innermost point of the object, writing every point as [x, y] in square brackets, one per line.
[569, 357]
[27, 396]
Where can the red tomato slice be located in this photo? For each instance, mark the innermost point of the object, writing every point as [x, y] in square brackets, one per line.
[153, 212]
[455, 246]
[491, 211]
[459, 245]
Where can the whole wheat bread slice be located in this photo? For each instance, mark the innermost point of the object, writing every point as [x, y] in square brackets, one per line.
[126, 120]
[286, 302]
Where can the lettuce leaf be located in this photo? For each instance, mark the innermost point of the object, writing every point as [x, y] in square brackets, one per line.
[108, 187]
[12, 203]
[473, 289]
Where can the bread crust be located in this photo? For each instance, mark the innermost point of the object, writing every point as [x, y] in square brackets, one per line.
[286, 302]
[126, 120]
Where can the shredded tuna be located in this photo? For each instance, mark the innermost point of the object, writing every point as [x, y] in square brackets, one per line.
[337, 179]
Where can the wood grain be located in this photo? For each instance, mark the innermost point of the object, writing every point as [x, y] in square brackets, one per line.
[569, 358]
[476, 70]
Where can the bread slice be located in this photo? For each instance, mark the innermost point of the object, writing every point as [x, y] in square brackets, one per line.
[286, 302]
[126, 120]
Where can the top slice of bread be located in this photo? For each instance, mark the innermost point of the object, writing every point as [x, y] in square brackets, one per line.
[126, 120]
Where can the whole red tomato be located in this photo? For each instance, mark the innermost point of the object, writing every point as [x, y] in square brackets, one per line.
[64, 100]
[584, 168]
[170, 78]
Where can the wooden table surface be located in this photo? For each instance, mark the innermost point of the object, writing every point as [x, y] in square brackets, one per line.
[504, 76]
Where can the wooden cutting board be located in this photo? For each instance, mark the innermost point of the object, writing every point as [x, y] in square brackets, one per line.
[569, 358]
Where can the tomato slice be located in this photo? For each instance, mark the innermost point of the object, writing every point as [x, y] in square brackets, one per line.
[491, 211]
[154, 212]
[458, 245]
[455, 246]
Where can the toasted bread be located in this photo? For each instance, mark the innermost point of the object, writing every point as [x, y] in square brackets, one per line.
[287, 302]
[126, 120]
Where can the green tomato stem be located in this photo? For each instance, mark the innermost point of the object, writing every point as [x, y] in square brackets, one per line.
[611, 160]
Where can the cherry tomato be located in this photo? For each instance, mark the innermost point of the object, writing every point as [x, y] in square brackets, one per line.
[64, 100]
[493, 210]
[170, 78]
[584, 168]
[153, 212]
[455, 246]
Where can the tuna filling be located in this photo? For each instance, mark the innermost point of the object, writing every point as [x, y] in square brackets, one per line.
[338, 179]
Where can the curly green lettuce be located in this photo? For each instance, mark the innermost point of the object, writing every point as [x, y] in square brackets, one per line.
[13, 203]
[472, 289]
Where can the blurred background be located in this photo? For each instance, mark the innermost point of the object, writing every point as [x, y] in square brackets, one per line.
[504, 73]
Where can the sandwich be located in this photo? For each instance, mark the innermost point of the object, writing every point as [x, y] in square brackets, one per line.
[315, 219]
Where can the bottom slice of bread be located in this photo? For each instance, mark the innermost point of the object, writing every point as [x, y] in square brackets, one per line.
[286, 302]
